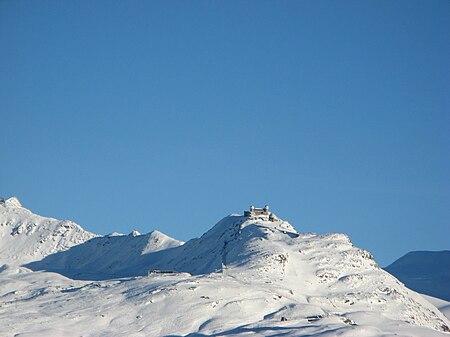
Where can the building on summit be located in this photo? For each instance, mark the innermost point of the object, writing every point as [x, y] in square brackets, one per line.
[254, 211]
[264, 212]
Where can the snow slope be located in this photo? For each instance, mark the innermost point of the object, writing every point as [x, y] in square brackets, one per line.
[30, 239]
[245, 276]
[46, 304]
[442, 305]
[107, 257]
[26, 237]
[425, 272]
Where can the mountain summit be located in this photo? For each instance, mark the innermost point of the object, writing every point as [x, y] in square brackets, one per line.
[251, 273]
[26, 237]
[11, 202]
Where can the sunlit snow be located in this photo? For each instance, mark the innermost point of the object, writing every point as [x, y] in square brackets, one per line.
[245, 276]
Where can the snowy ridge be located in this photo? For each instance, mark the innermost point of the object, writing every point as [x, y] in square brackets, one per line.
[159, 241]
[13, 202]
[107, 257]
[232, 242]
[26, 237]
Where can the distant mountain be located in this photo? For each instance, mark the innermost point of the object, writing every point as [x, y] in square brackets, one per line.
[426, 272]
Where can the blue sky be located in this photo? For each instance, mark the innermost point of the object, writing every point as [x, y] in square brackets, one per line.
[169, 115]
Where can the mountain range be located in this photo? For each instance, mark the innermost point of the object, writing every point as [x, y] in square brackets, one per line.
[247, 275]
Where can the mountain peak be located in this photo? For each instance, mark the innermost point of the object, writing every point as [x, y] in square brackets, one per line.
[134, 233]
[11, 202]
[25, 236]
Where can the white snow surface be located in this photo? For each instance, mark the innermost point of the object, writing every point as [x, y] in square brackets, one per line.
[26, 237]
[442, 305]
[243, 277]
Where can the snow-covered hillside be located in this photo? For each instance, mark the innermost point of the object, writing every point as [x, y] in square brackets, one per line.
[245, 276]
[425, 272]
[442, 305]
[26, 237]
[107, 257]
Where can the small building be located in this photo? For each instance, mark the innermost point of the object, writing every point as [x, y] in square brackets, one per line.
[263, 213]
[2, 200]
[254, 211]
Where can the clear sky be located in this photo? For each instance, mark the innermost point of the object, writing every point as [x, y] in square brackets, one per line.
[169, 115]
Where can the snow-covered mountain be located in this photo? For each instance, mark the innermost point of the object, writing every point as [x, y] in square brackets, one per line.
[425, 272]
[107, 257]
[247, 275]
[26, 237]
